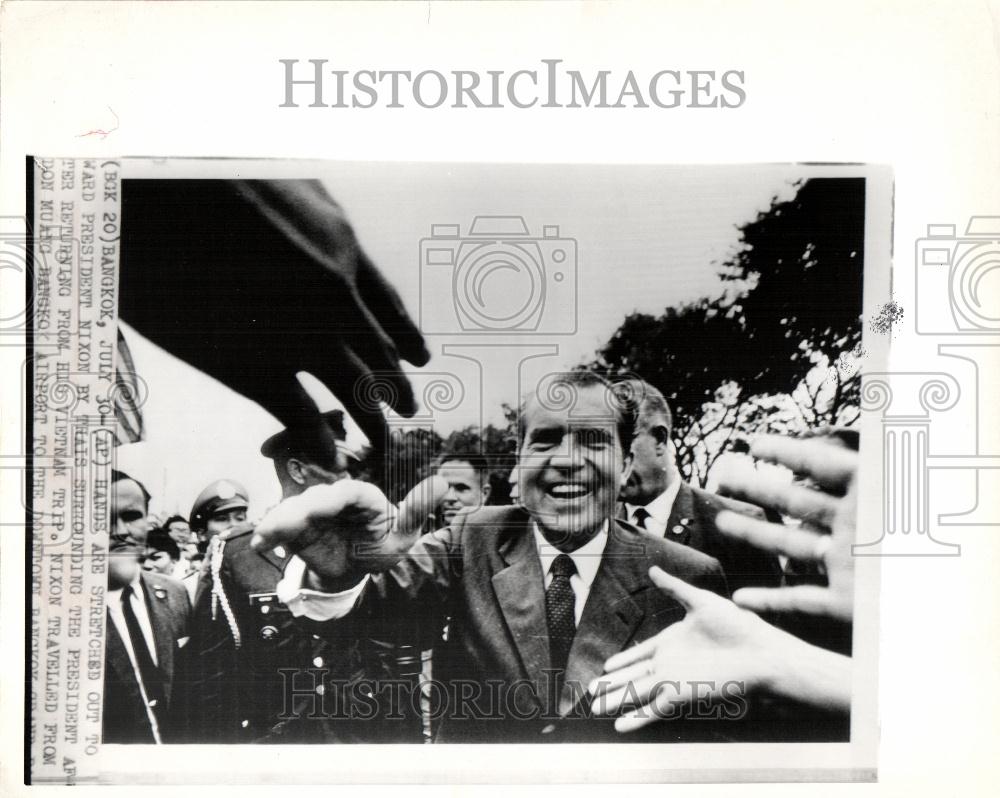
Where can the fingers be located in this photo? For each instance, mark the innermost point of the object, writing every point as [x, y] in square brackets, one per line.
[419, 504]
[294, 518]
[379, 295]
[831, 466]
[664, 704]
[777, 538]
[809, 599]
[362, 390]
[634, 654]
[687, 595]
[767, 490]
[634, 691]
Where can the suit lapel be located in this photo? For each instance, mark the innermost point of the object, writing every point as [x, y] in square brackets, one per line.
[160, 618]
[610, 616]
[519, 588]
[117, 656]
[682, 516]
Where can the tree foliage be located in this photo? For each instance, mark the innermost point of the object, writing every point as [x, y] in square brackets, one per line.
[777, 349]
[413, 452]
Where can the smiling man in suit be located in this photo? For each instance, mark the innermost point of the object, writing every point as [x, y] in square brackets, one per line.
[658, 500]
[537, 596]
[147, 622]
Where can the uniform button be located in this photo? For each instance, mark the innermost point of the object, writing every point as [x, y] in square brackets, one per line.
[678, 530]
[268, 632]
[318, 662]
[549, 729]
[315, 637]
[244, 723]
[152, 703]
[264, 609]
[320, 689]
[280, 551]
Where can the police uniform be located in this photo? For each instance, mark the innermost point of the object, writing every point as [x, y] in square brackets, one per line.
[257, 675]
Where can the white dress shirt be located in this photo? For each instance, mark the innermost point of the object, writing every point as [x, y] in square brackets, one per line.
[587, 560]
[138, 603]
[319, 606]
[658, 509]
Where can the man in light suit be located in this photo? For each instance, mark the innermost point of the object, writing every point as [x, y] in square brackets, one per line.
[538, 596]
[148, 616]
[659, 501]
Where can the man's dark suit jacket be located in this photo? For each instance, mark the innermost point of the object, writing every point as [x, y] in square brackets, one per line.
[483, 573]
[125, 717]
[692, 523]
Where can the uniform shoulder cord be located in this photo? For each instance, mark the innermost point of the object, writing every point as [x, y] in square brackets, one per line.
[218, 592]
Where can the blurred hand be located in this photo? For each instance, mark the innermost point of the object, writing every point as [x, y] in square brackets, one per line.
[266, 278]
[345, 530]
[732, 650]
[829, 518]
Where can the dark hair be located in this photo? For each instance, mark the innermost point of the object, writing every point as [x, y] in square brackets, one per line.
[478, 461]
[160, 540]
[310, 438]
[174, 519]
[120, 476]
[649, 403]
[568, 384]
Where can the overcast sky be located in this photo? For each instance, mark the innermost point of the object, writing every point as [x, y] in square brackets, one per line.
[645, 238]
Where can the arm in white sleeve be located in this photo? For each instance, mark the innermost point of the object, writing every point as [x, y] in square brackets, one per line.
[314, 604]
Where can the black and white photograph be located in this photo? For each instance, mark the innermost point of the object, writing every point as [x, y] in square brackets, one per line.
[479, 453]
[476, 396]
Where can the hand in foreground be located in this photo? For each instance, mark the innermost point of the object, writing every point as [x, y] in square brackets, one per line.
[732, 650]
[289, 286]
[829, 520]
[345, 530]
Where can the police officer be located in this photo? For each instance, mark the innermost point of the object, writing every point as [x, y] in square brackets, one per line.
[220, 507]
[256, 675]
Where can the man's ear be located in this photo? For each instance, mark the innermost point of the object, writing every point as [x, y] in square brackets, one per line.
[627, 464]
[296, 470]
[487, 487]
[661, 435]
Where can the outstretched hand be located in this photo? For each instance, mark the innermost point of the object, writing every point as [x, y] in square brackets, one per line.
[345, 530]
[289, 286]
[717, 652]
[828, 514]
[716, 644]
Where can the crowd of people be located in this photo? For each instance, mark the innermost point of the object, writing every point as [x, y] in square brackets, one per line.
[609, 601]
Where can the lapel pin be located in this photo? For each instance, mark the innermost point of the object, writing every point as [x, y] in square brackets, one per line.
[280, 552]
[160, 593]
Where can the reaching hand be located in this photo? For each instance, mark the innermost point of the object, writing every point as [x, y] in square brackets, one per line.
[718, 651]
[253, 281]
[828, 516]
[345, 530]
[717, 643]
